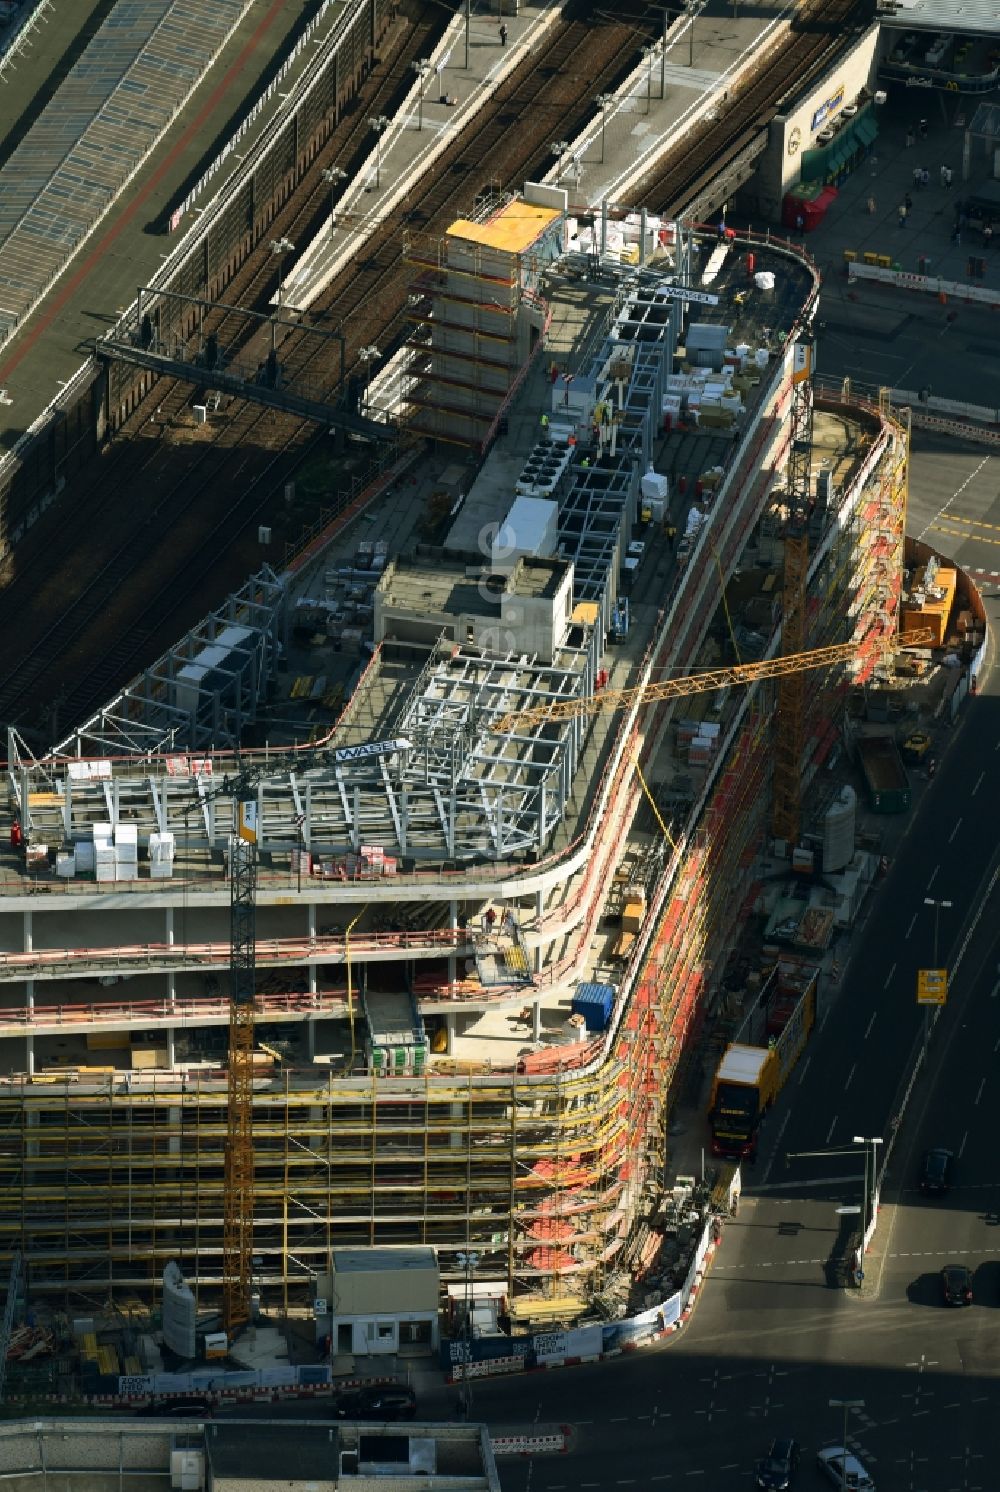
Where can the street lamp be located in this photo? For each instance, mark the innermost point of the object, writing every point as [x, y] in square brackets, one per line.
[379, 123]
[869, 1185]
[846, 1405]
[423, 70]
[604, 102]
[279, 248]
[929, 901]
[333, 175]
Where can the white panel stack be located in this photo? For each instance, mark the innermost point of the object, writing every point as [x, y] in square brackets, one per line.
[104, 859]
[85, 857]
[161, 856]
[126, 852]
[66, 865]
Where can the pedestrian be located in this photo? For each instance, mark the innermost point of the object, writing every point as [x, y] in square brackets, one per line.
[922, 129]
[956, 236]
[944, 176]
[545, 424]
[800, 223]
[503, 34]
[585, 461]
[902, 215]
[909, 138]
[721, 230]
[925, 178]
[987, 235]
[947, 176]
[917, 173]
[872, 207]
[908, 201]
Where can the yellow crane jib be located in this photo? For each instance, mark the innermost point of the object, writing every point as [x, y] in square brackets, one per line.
[610, 700]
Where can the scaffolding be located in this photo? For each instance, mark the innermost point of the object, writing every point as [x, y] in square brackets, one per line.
[476, 319]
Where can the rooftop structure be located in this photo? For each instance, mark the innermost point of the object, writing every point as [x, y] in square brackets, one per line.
[223, 1455]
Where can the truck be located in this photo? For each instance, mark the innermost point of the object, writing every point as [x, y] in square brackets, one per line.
[885, 776]
[633, 911]
[754, 1070]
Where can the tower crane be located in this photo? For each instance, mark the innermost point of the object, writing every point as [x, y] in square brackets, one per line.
[238, 1175]
[610, 700]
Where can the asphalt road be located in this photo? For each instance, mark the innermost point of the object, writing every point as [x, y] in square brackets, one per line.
[771, 1342]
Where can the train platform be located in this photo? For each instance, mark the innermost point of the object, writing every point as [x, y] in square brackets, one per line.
[639, 124]
[130, 245]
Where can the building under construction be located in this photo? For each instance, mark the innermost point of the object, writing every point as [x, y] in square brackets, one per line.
[475, 841]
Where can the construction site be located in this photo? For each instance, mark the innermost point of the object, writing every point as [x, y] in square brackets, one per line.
[535, 785]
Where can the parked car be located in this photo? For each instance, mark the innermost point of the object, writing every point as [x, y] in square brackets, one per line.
[189, 1408]
[831, 1463]
[935, 1172]
[956, 1285]
[776, 1471]
[378, 1401]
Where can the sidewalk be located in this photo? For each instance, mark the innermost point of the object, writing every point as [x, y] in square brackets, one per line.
[882, 334]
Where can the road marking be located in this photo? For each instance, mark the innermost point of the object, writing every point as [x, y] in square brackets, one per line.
[888, 977]
[871, 1022]
[850, 1076]
[982, 1085]
[958, 825]
[961, 1148]
[979, 782]
[619, 1419]
[777, 1142]
[957, 493]
[912, 925]
[830, 1130]
[933, 876]
[780, 1186]
[804, 1067]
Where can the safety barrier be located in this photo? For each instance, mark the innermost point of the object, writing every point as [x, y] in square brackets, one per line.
[536, 1441]
[927, 284]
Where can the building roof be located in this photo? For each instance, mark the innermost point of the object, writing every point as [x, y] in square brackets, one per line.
[273, 1453]
[378, 1260]
[981, 17]
[515, 228]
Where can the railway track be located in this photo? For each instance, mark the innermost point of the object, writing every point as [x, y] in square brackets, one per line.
[146, 587]
[682, 176]
[89, 647]
[50, 631]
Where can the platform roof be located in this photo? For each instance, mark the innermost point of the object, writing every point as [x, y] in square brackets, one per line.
[513, 230]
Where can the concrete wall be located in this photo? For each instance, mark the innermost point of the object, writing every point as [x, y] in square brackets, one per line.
[793, 133]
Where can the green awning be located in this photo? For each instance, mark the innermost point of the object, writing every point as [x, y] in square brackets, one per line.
[867, 130]
[835, 163]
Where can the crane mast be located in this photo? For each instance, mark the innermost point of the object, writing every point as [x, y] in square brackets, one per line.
[238, 1182]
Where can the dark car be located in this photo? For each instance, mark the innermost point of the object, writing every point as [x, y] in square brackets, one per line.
[378, 1401]
[935, 1173]
[956, 1285]
[190, 1408]
[776, 1471]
